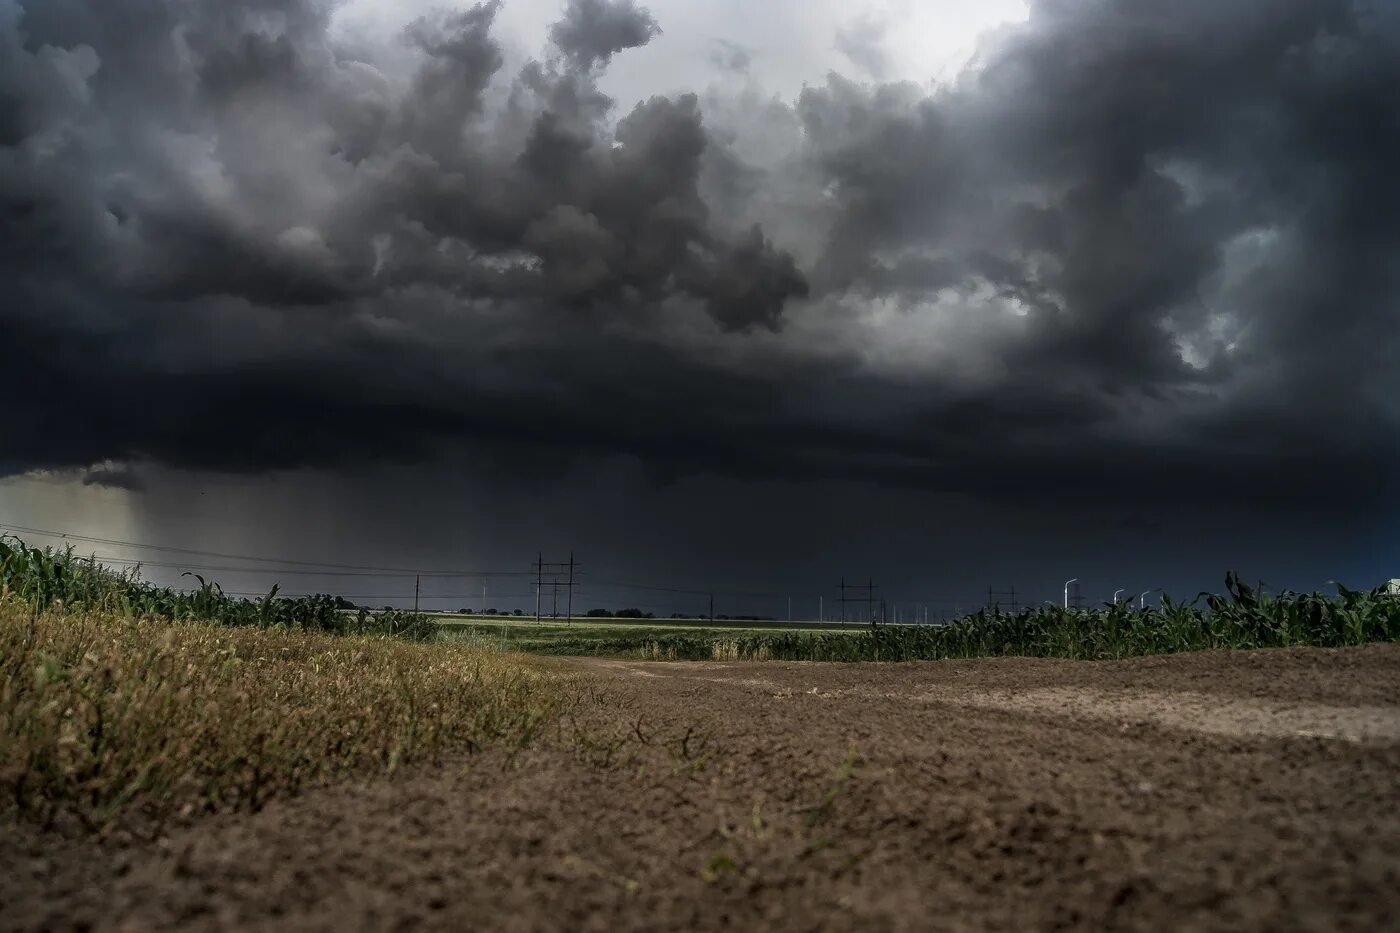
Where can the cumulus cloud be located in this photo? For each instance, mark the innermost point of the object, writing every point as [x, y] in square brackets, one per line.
[1147, 250]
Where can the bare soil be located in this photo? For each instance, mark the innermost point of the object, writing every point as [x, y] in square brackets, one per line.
[1230, 791]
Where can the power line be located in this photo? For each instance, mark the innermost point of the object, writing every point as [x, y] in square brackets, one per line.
[404, 595]
[269, 560]
[107, 558]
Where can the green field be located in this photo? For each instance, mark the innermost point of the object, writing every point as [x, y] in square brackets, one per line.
[617, 637]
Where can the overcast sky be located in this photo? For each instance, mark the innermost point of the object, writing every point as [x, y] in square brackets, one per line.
[736, 296]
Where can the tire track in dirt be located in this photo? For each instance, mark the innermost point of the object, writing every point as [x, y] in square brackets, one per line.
[1193, 711]
[1196, 712]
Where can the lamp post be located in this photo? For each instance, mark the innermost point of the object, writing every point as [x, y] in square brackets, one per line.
[1115, 596]
[1142, 600]
[1067, 583]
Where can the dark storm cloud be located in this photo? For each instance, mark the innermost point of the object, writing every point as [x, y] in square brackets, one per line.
[1137, 251]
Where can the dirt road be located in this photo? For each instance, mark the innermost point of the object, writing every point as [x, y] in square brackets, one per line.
[1222, 791]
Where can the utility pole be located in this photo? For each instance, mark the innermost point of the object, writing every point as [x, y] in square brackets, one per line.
[789, 610]
[571, 588]
[539, 582]
[821, 609]
[712, 607]
[416, 578]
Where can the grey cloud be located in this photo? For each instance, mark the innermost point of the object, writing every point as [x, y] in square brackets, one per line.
[593, 31]
[461, 58]
[751, 282]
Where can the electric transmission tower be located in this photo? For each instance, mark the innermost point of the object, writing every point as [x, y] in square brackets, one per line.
[858, 593]
[555, 574]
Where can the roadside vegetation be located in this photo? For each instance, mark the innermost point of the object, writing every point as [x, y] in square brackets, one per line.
[103, 716]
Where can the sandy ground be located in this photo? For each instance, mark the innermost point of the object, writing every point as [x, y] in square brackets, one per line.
[1238, 791]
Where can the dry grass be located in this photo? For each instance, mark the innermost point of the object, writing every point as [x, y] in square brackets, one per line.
[104, 717]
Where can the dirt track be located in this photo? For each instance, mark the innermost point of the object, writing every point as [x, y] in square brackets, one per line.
[1228, 791]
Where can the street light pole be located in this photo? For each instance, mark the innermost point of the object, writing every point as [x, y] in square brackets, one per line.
[1067, 583]
[1115, 596]
[1142, 600]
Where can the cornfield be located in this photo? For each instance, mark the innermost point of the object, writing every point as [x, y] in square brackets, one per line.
[43, 579]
